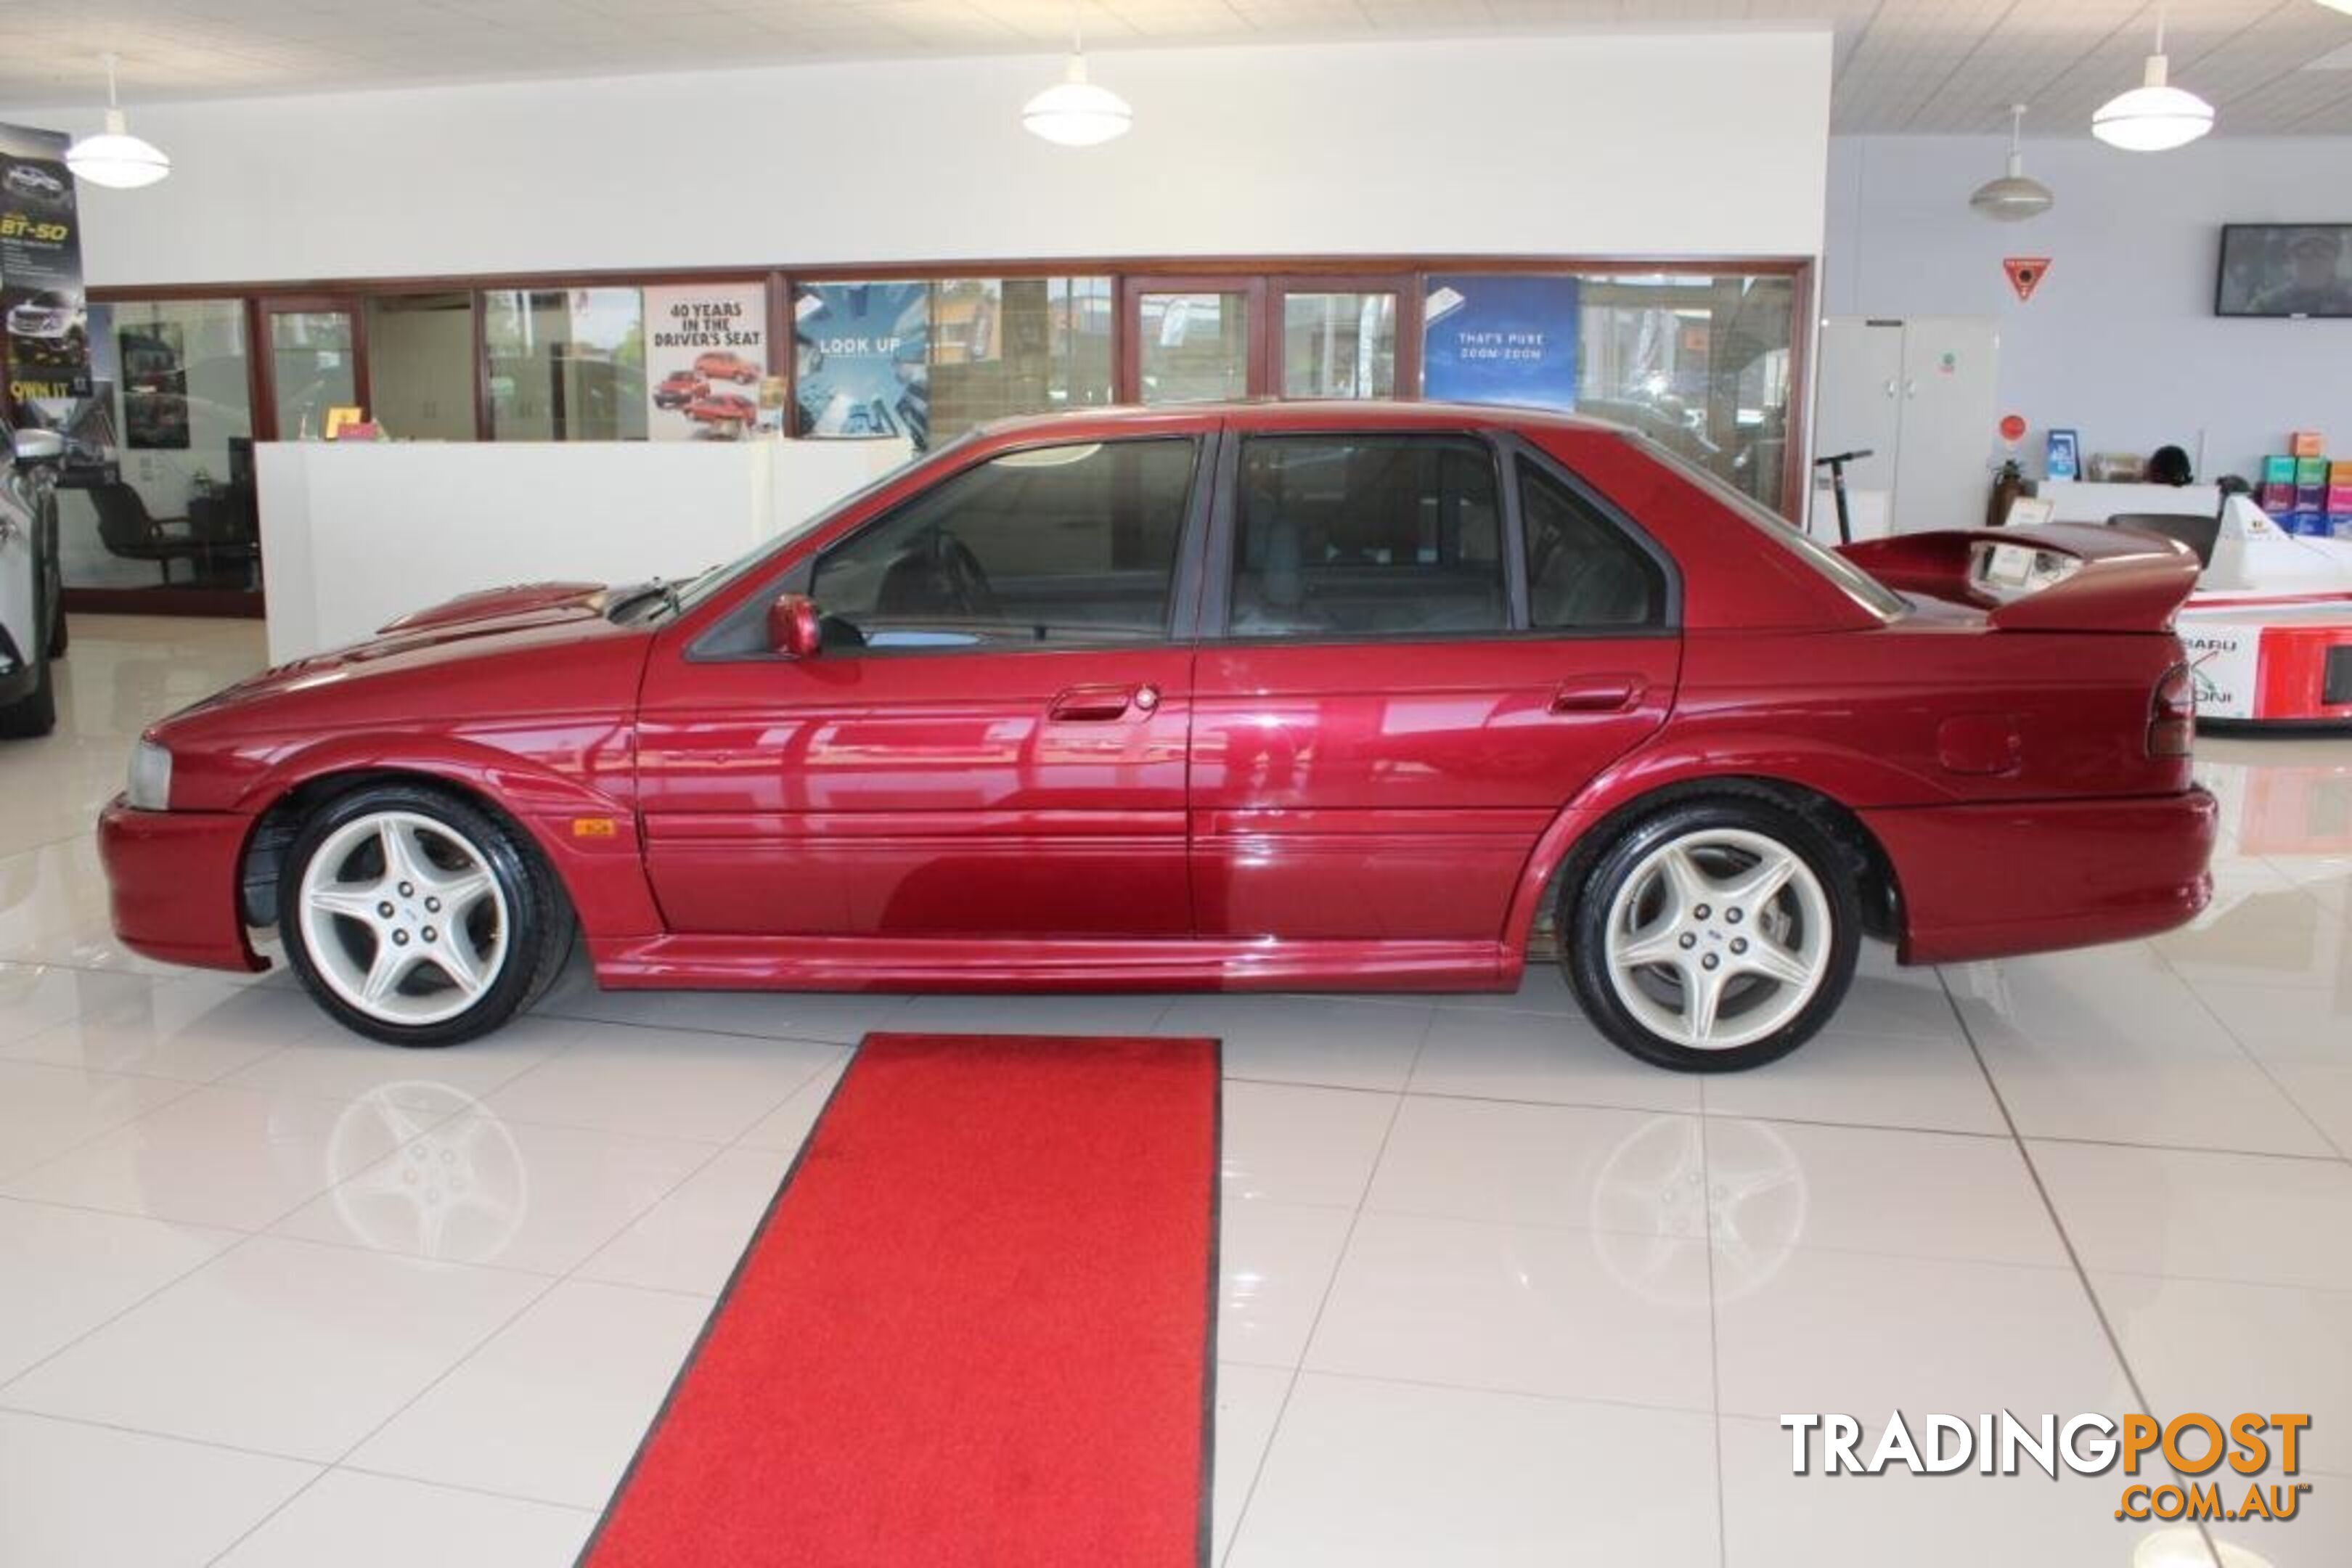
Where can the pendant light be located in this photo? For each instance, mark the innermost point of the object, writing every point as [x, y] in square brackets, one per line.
[2154, 117]
[117, 158]
[2013, 198]
[1074, 112]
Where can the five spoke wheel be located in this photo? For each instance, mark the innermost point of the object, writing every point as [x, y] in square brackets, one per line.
[1718, 937]
[403, 918]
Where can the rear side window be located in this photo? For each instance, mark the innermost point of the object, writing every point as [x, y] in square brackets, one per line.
[1582, 572]
[1397, 536]
[1053, 545]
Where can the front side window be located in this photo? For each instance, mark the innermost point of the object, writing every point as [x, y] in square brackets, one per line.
[1055, 546]
[1582, 572]
[1396, 536]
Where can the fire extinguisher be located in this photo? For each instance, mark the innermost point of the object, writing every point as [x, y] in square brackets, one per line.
[2007, 486]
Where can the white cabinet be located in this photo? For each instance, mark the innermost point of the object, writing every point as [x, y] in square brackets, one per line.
[1918, 393]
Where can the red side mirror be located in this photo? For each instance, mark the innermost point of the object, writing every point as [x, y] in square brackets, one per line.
[793, 629]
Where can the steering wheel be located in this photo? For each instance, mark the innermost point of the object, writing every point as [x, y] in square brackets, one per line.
[964, 579]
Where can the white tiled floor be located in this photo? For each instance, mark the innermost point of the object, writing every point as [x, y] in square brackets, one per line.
[1493, 1293]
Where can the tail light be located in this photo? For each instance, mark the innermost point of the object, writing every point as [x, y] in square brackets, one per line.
[2172, 714]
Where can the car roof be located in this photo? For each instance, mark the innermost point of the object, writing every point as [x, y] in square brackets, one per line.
[1278, 414]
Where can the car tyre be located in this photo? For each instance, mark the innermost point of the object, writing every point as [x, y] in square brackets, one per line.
[1713, 935]
[35, 713]
[416, 917]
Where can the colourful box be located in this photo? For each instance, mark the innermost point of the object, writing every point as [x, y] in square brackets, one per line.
[2276, 499]
[2339, 498]
[2340, 472]
[2306, 443]
[2311, 470]
[2312, 524]
[2278, 470]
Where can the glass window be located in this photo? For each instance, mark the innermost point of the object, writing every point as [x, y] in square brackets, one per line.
[566, 365]
[1581, 569]
[1367, 535]
[313, 369]
[1699, 363]
[159, 485]
[1194, 348]
[1002, 346]
[421, 366]
[1338, 345]
[1054, 546]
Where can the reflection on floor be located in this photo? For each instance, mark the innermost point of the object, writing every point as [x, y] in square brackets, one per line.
[1494, 1294]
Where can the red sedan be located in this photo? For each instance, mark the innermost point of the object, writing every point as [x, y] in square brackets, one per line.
[1276, 696]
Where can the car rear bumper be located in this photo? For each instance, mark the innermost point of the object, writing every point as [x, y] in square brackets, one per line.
[1986, 881]
[171, 880]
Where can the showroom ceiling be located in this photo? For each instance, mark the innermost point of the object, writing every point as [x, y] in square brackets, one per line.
[1921, 66]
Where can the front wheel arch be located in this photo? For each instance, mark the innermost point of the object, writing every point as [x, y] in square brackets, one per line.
[262, 868]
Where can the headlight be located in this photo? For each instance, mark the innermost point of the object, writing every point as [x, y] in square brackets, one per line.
[151, 778]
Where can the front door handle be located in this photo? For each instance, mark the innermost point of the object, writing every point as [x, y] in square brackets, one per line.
[1597, 694]
[1101, 704]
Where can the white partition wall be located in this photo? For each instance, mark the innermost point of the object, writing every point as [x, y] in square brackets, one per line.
[356, 533]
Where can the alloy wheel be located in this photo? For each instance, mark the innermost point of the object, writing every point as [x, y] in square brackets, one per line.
[402, 917]
[1718, 937]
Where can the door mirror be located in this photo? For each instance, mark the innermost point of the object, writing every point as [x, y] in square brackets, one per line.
[793, 629]
[38, 447]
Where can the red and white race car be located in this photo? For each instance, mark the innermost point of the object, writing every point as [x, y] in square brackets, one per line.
[2269, 629]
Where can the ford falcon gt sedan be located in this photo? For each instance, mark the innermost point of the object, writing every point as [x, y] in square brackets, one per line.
[1280, 696]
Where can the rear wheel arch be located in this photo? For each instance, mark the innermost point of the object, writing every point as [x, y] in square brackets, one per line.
[1572, 849]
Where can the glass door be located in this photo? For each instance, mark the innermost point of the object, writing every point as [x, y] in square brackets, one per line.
[316, 360]
[1194, 340]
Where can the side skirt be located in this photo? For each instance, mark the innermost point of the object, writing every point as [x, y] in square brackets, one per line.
[962, 964]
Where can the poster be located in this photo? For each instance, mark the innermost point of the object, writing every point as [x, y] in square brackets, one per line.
[708, 375]
[40, 271]
[1492, 339]
[863, 360]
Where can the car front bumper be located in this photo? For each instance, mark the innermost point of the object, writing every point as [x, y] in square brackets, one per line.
[173, 884]
[1989, 881]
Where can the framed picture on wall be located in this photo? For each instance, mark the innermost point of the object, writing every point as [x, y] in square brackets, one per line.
[2062, 457]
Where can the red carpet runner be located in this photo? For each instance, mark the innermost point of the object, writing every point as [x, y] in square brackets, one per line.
[973, 1329]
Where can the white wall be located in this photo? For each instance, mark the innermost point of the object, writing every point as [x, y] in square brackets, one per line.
[1674, 145]
[2120, 341]
[357, 533]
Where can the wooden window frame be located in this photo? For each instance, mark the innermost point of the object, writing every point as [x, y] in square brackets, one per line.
[1268, 277]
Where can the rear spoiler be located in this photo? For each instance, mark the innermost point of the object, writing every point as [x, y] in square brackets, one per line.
[2052, 576]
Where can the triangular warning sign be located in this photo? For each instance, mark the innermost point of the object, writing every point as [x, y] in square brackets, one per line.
[2025, 273]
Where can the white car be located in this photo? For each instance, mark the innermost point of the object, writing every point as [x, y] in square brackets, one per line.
[32, 612]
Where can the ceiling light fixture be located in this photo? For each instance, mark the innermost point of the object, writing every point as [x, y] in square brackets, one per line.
[2013, 198]
[117, 158]
[1074, 112]
[2154, 117]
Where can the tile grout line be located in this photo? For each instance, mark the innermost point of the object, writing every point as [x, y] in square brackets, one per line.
[2260, 1066]
[1290, 1388]
[2065, 1238]
[1714, 1329]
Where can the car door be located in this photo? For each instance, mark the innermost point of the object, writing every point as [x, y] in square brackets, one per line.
[1412, 669]
[990, 742]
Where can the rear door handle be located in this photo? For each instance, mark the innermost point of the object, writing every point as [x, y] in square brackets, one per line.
[1597, 694]
[1101, 704]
